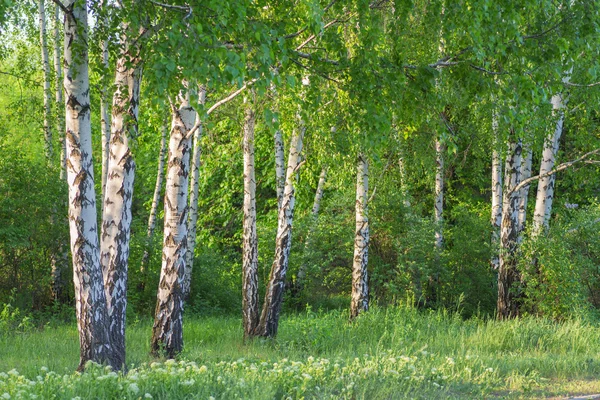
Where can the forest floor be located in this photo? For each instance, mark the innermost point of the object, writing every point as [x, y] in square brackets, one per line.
[386, 354]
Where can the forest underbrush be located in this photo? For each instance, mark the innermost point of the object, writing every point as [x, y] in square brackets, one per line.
[394, 352]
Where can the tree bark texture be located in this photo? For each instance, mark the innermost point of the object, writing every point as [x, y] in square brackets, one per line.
[269, 319]
[545, 190]
[118, 194]
[193, 209]
[167, 333]
[279, 166]
[155, 198]
[60, 121]
[496, 218]
[249, 239]
[48, 148]
[523, 194]
[439, 194]
[92, 316]
[105, 123]
[360, 284]
[508, 275]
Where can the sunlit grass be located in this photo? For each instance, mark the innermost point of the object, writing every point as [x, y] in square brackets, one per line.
[387, 353]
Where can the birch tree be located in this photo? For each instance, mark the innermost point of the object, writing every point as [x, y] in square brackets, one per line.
[523, 194]
[545, 190]
[160, 173]
[116, 218]
[249, 239]
[496, 217]
[279, 166]
[48, 148]
[90, 298]
[508, 275]
[167, 332]
[360, 284]
[314, 214]
[193, 208]
[269, 319]
[59, 103]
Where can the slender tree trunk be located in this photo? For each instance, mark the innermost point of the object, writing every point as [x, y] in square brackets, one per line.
[403, 184]
[269, 319]
[360, 284]
[314, 215]
[48, 148]
[523, 194]
[439, 195]
[496, 218]
[545, 191]
[92, 316]
[60, 121]
[279, 169]
[250, 239]
[167, 333]
[193, 209]
[155, 199]
[105, 122]
[508, 275]
[118, 194]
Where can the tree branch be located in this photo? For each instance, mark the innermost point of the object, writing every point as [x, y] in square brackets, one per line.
[561, 167]
[62, 6]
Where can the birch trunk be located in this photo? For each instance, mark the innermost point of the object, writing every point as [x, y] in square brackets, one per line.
[508, 275]
[155, 199]
[279, 169]
[439, 194]
[60, 121]
[92, 316]
[269, 319]
[193, 209]
[167, 332]
[105, 122]
[314, 215]
[250, 239]
[545, 191]
[523, 194]
[403, 185]
[360, 285]
[496, 218]
[46, 75]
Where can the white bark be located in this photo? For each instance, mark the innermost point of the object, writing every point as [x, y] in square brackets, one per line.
[167, 332]
[118, 193]
[360, 286]
[269, 319]
[249, 239]
[507, 306]
[90, 298]
[193, 209]
[60, 121]
[48, 148]
[105, 122]
[545, 191]
[403, 184]
[524, 191]
[439, 195]
[496, 218]
[279, 169]
[155, 198]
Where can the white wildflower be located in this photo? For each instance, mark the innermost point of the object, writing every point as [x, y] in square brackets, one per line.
[5, 396]
[490, 369]
[44, 369]
[133, 388]
[306, 376]
[189, 382]
[147, 396]
[13, 372]
[450, 360]
[311, 359]
[203, 369]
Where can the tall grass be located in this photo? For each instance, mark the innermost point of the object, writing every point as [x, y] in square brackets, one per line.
[387, 353]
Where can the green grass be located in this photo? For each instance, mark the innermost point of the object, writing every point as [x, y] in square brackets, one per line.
[387, 353]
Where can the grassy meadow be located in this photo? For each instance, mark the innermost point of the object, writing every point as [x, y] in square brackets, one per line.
[386, 354]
